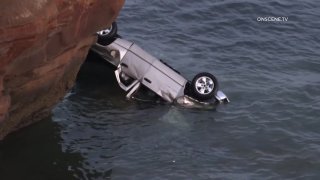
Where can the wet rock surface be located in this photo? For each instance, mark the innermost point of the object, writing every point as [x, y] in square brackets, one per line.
[42, 46]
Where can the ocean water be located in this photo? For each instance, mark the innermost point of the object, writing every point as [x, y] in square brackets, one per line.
[269, 69]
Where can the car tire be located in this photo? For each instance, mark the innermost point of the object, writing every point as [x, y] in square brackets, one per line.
[107, 36]
[204, 86]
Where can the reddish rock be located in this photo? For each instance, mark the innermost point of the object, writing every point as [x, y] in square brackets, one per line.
[42, 46]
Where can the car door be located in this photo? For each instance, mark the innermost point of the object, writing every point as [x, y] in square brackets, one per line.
[164, 81]
[136, 62]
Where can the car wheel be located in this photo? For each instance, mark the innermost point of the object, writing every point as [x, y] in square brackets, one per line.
[204, 86]
[107, 36]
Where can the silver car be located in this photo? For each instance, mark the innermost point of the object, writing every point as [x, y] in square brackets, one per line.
[135, 68]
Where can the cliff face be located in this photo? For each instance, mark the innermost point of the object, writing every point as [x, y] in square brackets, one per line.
[42, 46]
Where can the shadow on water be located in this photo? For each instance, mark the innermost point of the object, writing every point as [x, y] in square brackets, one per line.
[35, 153]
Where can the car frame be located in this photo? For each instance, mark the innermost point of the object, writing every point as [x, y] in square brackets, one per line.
[136, 67]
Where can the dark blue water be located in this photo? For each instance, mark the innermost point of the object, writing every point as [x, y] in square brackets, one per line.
[270, 130]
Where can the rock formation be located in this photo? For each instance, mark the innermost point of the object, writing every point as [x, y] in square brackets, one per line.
[42, 46]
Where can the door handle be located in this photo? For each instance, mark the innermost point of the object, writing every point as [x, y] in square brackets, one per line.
[148, 80]
[124, 65]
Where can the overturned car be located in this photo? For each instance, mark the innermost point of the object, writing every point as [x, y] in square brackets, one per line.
[135, 68]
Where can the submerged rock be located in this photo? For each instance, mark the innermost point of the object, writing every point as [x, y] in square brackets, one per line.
[42, 46]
